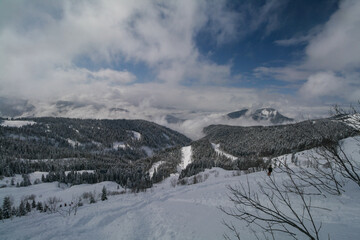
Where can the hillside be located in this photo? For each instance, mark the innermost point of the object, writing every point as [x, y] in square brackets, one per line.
[64, 137]
[235, 147]
[170, 211]
[116, 149]
[263, 114]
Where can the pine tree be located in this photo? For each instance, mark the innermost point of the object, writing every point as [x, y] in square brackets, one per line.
[33, 204]
[1, 214]
[92, 199]
[103, 195]
[22, 209]
[14, 211]
[46, 207]
[39, 207]
[7, 207]
[28, 207]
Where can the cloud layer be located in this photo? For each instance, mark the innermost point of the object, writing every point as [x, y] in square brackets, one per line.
[145, 56]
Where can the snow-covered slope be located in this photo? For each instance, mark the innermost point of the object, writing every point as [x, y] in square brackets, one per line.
[166, 212]
[216, 147]
[185, 157]
[154, 167]
[180, 212]
[16, 123]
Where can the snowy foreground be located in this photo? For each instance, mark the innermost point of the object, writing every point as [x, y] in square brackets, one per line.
[168, 212]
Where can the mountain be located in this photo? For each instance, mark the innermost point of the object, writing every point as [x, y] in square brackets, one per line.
[237, 114]
[263, 114]
[14, 107]
[235, 147]
[173, 120]
[93, 144]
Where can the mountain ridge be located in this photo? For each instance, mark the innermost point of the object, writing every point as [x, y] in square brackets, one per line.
[262, 114]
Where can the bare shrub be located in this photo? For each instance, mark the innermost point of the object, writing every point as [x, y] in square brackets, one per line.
[86, 195]
[198, 178]
[29, 197]
[236, 173]
[206, 176]
[173, 182]
[183, 181]
[113, 193]
[52, 203]
[275, 210]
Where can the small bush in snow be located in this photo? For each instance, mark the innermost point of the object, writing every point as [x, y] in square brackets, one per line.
[206, 176]
[183, 181]
[113, 193]
[173, 182]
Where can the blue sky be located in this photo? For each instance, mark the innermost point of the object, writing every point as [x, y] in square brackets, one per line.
[299, 56]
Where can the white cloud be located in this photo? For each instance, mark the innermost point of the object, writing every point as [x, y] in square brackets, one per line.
[337, 46]
[40, 48]
[115, 77]
[323, 84]
[332, 57]
[41, 44]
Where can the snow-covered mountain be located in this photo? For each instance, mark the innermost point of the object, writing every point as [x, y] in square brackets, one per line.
[263, 114]
[52, 138]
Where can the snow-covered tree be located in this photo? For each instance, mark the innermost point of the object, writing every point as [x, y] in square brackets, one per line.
[22, 210]
[33, 204]
[103, 194]
[28, 206]
[39, 207]
[7, 204]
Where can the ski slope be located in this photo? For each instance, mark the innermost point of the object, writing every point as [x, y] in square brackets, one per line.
[186, 153]
[154, 167]
[216, 147]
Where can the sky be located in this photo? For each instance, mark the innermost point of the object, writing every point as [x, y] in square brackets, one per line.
[299, 56]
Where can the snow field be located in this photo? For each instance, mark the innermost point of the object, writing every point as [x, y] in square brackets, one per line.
[216, 147]
[136, 135]
[185, 157]
[16, 123]
[155, 166]
[166, 212]
[180, 212]
[117, 145]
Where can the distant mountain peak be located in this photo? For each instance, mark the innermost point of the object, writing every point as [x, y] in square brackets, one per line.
[262, 114]
[172, 119]
[238, 114]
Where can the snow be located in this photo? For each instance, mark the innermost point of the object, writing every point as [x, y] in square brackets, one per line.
[16, 123]
[33, 176]
[80, 172]
[185, 157]
[265, 112]
[181, 212]
[216, 147]
[155, 166]
[164, 212]
[18, 178]
[43, 191]
[117, 145]
[353, 121]
[136, 135]
[73, 143]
